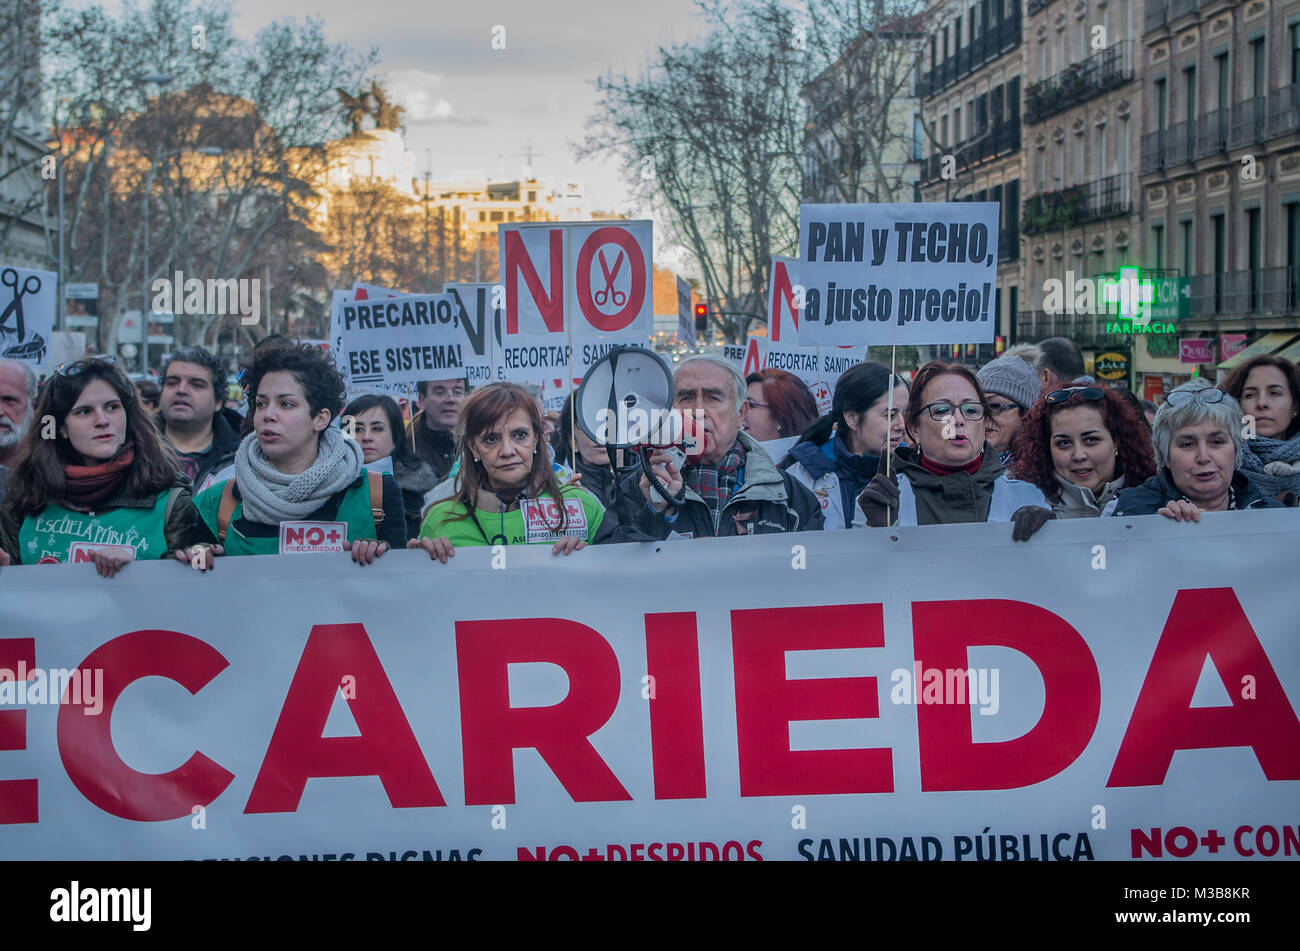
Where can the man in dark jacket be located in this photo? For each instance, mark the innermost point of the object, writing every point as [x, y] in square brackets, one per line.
[190, 417]
[434, 424]
[735, 488]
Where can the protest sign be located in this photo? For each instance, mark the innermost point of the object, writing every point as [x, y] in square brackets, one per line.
[898, 273]
[818, 367]
[28, 302]
[402, 340]
[560, 708]
[481, 320]
[592, 278]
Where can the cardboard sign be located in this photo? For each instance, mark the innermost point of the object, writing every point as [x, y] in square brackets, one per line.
[920, 273]
[541, 516]
[27, 306]
[300, 537]
[80, 553]
[592, 278]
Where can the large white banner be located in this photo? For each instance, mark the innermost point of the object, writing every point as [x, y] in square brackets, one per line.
[921, 273]
[591, 279]
[1113, 689]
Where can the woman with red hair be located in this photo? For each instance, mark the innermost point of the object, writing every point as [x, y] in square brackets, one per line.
[778, 409]
[1081, 445]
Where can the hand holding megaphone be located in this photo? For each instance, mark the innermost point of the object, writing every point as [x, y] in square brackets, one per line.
[665, 466]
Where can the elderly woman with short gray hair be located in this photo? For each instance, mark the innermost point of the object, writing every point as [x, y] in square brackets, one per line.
[1198, 445]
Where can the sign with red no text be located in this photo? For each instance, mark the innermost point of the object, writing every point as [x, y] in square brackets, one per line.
[299, 537]
[592, 277]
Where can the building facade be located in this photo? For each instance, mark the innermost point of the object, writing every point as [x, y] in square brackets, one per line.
[970, 91]
[25, 239]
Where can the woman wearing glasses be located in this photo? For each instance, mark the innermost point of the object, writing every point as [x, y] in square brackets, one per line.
[507, 492]
[838, 454]
[1198, 445]
[779, 406]
[296, 467]
[1081, 445]
[948, 472]
[104, 488]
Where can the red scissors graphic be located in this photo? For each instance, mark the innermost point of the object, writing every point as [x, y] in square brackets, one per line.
[9, 278]
[601, 297]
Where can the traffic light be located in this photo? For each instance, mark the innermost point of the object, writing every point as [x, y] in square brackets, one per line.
[701, 318]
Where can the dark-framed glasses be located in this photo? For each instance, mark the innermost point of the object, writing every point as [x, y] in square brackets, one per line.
[1183, 397]
[1087, 392]
[942, 409]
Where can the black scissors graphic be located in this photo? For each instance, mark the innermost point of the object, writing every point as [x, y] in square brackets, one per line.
[32, 285]
[610, 292]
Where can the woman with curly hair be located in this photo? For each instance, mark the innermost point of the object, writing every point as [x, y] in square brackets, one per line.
[1268, 389]
[295, 467]
[1081, 445]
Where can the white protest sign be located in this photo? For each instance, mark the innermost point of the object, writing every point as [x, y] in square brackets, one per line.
[592, 278]
[532, 358]
[403, 339]
[27, 307]
[66, 347]
[685, 314]
[898, 273]
[818, 367]
[481, 319]
[986, 717]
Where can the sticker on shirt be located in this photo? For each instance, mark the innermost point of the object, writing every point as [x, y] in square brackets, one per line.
[672, 535]
[542, 518]
[299, 537]
[82, 553]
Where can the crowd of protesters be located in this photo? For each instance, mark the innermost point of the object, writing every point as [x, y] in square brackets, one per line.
[126, 473]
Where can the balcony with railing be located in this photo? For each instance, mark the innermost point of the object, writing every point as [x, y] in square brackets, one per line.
[1097, 74]
[1269, 290]
[1180, 143]
[1110, 197]
[1212, 133]
[1284, 110]
[1157, 14]
[999, 139]
[1086, 330]
[1009, 243]
[988, 46]
[1248, 122]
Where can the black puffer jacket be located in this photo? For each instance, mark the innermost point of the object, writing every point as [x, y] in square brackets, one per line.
[1159, 490]
[768, 501]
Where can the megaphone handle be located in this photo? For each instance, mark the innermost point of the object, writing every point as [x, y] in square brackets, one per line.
[676, 501]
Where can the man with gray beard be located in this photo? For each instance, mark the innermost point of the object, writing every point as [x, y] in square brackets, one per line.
[17, 396]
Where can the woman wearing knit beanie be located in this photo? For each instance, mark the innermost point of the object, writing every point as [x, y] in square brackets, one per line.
[1012, 386]
[1268, 389]
[98, 484]
[296, 467]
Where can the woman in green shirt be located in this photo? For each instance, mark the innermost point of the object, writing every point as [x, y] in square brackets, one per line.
[506, 490]
[95, 482]
[299, 483]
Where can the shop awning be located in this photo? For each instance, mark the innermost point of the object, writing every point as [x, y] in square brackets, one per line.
[1264, 345]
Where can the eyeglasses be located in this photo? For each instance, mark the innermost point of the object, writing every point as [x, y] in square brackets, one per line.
[1000, 408]
[943, 408]
[1087, 392]
[755, 404]
[1183, 397]
[77, 367]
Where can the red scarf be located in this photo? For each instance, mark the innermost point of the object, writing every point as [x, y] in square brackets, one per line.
[971, 467]
[90, 485]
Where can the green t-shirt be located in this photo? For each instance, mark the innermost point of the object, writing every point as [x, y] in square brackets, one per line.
[58, 534]
[584, 512]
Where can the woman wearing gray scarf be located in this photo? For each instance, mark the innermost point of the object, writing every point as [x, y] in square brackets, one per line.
[1268, 389]
[296, 467]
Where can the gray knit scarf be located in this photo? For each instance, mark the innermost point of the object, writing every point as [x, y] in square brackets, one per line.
[1272, 464]
[271, 496]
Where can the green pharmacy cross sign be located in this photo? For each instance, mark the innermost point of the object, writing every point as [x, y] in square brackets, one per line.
[1145, 306]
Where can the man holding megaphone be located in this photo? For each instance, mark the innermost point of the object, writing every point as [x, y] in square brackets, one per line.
[732, 487]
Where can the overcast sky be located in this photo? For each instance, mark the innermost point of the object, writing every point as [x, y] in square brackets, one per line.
[476, 107]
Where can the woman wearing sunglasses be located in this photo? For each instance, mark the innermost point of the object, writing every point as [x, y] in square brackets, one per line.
[105, 488]
[1081, 445]
[296, 467]
[507, 492]
[1198, 447]
[948, 472]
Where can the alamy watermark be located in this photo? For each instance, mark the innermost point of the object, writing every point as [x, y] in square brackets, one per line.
[213, 297]
[976, 686]
[25, 687]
